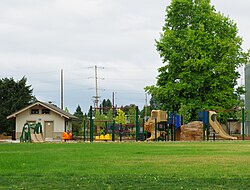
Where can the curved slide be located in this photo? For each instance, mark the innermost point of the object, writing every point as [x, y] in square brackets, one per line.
[149, 126]
[36, 137]
[218, 128]
[152, 137]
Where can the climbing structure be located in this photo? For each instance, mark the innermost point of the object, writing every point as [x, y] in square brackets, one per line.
[32, 133]
[217, 127]
[157, 116]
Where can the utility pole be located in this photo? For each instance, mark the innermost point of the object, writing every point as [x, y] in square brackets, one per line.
[96, 88]
[146, 105]
[113, 100]
[62, 89]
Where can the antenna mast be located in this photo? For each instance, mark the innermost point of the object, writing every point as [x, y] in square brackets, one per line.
[62, 89]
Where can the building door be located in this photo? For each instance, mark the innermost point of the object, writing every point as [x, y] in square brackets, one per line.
[48, 129]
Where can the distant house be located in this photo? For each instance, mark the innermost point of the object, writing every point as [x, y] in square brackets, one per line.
[53, 119]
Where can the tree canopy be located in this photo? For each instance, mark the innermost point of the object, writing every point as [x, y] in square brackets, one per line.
[77, 125]
[120, 118]
[201, 51]
[105, 106]
[14, 95]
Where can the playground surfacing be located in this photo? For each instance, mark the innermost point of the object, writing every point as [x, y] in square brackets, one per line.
[171, 165]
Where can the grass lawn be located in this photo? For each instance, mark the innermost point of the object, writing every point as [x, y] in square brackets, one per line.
[172, 165]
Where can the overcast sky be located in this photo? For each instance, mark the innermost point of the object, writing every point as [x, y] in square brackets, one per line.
[40, 37]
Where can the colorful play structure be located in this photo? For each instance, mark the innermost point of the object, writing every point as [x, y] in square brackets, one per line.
[209, 120]
[113, 130]
[161, 123]
[163, 126]
[32, 133]
[160, 126]
[106, 137]
[67, 136]
[157, 116]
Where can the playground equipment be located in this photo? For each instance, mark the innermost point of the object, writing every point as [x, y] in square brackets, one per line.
[217, 127]
[163, 126]
[66, 136]
[91, 130]
[209, 120]
[159, 127]
[157, 116]
[106, 137]
[102, 132]
[28, 136]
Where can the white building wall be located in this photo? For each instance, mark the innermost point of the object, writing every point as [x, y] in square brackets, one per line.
[25, 116]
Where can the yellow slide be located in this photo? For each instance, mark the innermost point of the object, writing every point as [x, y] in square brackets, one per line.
[218, 128]
[149, 126]
[39, 137]
[36, 138]
[33, 138]
[152, 137]
[156, 116]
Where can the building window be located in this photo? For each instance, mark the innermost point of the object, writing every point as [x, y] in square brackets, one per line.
[45, 111]
[34, 111]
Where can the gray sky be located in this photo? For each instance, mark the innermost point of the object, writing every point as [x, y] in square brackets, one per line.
[40, 37]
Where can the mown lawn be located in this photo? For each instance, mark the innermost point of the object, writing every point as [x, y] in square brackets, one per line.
[175, 165]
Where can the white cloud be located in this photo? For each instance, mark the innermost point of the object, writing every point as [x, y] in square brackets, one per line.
[38, 38]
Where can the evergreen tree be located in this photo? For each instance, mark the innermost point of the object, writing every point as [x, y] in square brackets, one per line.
[105, 106]
[14, 95]
[77, 125]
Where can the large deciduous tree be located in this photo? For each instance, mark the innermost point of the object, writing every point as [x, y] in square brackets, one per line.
[201, 51]
[14, 95]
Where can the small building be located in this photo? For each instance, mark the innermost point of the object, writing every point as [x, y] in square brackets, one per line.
[53, 119]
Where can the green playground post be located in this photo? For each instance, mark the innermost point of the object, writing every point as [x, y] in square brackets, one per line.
[168, 126]
[204, 132]
[106, 126]
[84, 130]
[165, 128]
[113, 131]
[174, 126]
[243, 123]
[143, 135]
[208, 132]
[168, 132]
[29, 137]
[155, 129]
[120, 131]
[174, 133]
[137, 129]
[91, 125]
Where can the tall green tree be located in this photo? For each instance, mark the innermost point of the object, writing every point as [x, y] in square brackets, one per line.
[201, 51]
[77, 125]
[105, 106]
[146, 112]
[14, 95]
[120, 118]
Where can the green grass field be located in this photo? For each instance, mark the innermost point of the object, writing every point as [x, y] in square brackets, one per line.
[174, 165]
